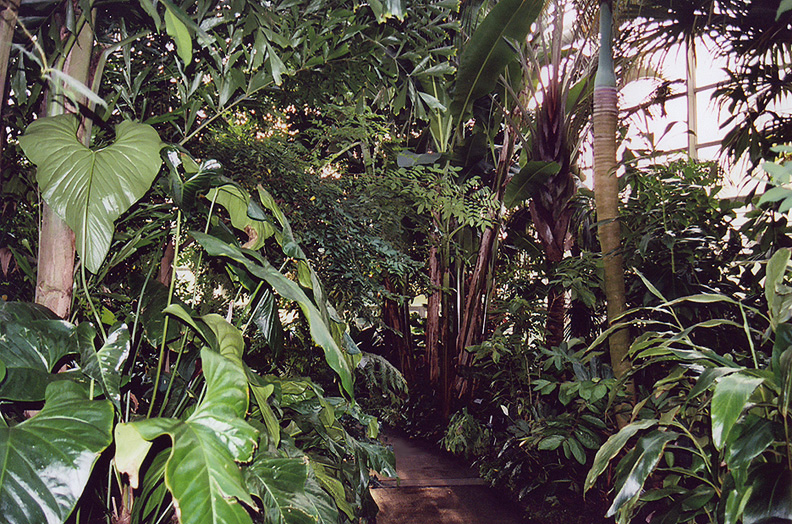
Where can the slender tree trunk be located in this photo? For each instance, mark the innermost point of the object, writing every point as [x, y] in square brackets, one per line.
[397, 336]
[606, 189]
[471, 329]
[55, 274]
[433, 330]
[8, 18]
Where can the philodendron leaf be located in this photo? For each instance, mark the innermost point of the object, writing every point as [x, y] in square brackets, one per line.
[202, 472]
[235, 200]
[728, 401]
[31, 347]
[280, 484]
[289, 290]
[47, 460]
[91, 189]
[104, 366]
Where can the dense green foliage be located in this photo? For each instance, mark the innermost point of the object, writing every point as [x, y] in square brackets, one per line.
[292, 216]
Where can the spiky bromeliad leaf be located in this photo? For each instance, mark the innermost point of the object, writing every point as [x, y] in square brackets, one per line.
[91, 189]
[46, 460]
[490, 49]
[202, 472]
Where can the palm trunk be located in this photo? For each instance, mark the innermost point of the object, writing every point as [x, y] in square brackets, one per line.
[55, 274]
[606, 190]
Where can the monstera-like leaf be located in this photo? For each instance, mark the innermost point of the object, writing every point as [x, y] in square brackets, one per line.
[91, 189]
[33, 344]
[202, 472]
[47, 460]
[285, 489]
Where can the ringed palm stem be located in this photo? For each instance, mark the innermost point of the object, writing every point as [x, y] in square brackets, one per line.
[606, 190]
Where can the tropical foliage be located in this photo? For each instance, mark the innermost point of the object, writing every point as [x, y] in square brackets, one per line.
[234, 232]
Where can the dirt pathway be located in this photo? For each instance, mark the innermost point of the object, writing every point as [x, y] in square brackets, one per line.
[436, 488]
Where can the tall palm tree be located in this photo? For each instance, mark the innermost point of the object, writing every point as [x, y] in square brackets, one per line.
[606, 188]
[559, 80]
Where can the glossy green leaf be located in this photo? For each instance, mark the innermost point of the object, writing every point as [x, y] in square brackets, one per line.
[178, 311]
[647, 453]
[707, 379]
[334, 487]
[230, 342]
[489, 51]
[235, 200]
[728, 401]
[201, 472]
[778, 303]
[152, 317]
[31, 349]
[280, 484]
[290, 290]
[188, 179]
[262, 390]
[528, 181]
[91, 189]
[771, 495]
[613, 447]
[748, 441]
[287, 241]
[181, 36]
[105, 365]
[267, 318]
[47, 460]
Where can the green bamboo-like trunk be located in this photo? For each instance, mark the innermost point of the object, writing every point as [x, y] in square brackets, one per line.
[606, 188]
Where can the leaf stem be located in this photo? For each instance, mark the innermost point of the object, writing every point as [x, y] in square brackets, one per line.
[161, 358]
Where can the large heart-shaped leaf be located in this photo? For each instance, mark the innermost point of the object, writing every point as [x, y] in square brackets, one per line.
[280, 483]
[201, 471]
[91, 189]
[46, 460]
[490, 49]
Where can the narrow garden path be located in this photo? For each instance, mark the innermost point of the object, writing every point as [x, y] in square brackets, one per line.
[437, 488]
